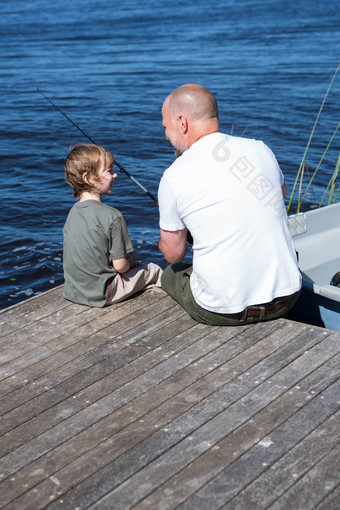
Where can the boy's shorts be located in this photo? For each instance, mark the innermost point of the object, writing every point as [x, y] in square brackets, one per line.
[124, 285]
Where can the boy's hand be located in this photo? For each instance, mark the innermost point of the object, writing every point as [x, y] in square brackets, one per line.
[132, 261]
[124, 264]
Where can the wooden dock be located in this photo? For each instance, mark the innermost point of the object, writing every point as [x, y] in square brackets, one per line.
[137, 406]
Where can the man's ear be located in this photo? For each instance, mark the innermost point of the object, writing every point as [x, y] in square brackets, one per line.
[183, 123]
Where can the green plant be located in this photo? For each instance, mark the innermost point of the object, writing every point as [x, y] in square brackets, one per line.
[301, 167]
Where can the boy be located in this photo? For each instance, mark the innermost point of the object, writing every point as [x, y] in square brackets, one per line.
[96, 241]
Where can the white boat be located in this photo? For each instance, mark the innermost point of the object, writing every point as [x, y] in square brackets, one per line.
[316, 236]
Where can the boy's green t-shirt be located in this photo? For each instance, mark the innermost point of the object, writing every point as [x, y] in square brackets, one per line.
[94, 235]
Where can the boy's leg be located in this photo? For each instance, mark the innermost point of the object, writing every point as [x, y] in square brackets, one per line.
[139, 278]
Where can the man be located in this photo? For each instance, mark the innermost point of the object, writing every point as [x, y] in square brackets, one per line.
[228, 192]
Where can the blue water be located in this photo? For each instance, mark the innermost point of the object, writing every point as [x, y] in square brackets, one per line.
[109, 65]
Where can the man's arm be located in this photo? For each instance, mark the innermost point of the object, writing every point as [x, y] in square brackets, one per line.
[284, 189]
[173, 244]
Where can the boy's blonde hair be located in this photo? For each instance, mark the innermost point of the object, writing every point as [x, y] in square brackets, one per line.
[85, 158]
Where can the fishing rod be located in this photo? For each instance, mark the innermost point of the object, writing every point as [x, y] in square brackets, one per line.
[121, 168]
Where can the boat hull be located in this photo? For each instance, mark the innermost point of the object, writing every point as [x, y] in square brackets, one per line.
[317, 310]
[316, 236]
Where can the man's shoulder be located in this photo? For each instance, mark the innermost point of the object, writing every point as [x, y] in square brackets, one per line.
[244, 140]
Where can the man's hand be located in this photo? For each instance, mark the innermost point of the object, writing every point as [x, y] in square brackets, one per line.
[173, 245]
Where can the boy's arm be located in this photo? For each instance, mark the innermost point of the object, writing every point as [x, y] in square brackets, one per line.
[123, 265]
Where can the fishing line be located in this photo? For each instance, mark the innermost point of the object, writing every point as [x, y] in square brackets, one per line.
[121, 168]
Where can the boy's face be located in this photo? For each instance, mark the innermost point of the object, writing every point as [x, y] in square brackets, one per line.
[107, 177]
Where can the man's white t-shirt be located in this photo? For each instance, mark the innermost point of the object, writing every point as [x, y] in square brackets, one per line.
[228, 192]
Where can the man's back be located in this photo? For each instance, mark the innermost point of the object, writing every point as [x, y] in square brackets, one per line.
[227, 192]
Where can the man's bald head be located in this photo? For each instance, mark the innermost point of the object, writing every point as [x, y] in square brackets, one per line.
[189, 113]
[198, 103]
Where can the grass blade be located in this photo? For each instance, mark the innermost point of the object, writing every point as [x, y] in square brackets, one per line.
[309, 141]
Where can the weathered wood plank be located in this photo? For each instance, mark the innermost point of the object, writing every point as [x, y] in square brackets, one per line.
[331, 501]
[27, 338]
[86, 340]
[188, 481]
[103, 405]
[136, 405]
[16, 313]
[160, 442]
[63, 457]
[56, 324]
[273, 479]
[230, 482]
[224, 486]
[317, 483]
[77, 393]
[96, 359]
[132, 411]
[180, 345]
[98, 356]
[78, 329]
[213, 434]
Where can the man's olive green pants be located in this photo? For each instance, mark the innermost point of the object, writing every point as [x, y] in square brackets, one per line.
[176, 282]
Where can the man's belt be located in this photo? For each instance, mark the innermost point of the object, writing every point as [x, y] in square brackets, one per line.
[258, 310]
